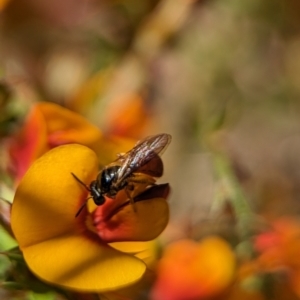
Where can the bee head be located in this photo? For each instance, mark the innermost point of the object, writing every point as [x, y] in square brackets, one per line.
[96, 193]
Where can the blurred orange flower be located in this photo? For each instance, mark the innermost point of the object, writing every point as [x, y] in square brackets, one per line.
[194, 270]
[128, 116]
[49, 125]
[280, 246]
[74, 252]
[279, 250]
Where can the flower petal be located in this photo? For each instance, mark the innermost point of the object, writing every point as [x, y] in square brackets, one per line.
[53, 241]
[143, 221]
[65, 126]
[190, 270]
[146, 251]
[76, 262]
[48, 196]
[127, 116]
[29, 144]
[111, 146]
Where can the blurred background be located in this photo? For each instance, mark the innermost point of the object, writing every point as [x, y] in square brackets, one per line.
[221, 76]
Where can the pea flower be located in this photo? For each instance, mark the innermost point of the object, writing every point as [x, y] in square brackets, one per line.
[49, 125]
[278, 250]
[194, 270]
[83, 253]
[127, 116]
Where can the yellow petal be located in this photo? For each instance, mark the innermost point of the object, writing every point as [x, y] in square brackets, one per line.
[48, 197]
[75, 262]
[111, 146]
[135, 291]
[146, 251]
[219, 262]
[133, 247]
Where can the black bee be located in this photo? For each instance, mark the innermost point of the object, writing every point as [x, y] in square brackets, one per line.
[137, 166]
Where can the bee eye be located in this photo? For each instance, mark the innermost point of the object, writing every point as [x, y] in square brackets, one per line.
[99, 200]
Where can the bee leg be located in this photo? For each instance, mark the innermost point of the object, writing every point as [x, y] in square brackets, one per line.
[120, 155]
[127, 191]
[140, 178]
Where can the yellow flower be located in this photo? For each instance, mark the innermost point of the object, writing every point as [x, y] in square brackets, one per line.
[74, 252]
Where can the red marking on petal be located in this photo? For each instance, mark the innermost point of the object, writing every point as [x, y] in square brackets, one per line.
[119, 220]
[29, 144]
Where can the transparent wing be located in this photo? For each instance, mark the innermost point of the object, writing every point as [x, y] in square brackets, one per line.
[141, 154]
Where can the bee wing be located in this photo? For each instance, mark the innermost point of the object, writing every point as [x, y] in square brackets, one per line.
[154, 167]
[142, 155]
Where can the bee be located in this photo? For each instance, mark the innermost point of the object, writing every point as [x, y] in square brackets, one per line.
[137, 166]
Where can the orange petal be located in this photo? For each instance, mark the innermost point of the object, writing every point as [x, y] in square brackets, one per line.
[65, 126]
[143, 221]
[129, 118]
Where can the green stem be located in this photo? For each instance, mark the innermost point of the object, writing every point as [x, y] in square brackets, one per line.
[231, 191]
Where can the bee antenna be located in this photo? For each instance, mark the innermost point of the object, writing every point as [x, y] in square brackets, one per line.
[82, 183]
[82, 206]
